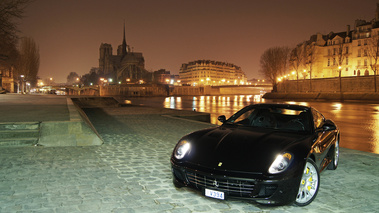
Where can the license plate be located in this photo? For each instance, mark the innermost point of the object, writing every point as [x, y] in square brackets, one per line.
[214, 194]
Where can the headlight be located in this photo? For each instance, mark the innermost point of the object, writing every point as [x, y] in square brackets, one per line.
[182, 149]
[280, 164]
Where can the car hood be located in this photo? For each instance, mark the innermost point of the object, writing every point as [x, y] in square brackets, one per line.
[241, 149]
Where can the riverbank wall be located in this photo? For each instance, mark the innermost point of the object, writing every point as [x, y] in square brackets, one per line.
[359, 88]
[356, 84]
[324, 96]
[166, 90]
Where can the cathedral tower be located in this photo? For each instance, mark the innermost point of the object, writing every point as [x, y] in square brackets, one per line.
[124, 43]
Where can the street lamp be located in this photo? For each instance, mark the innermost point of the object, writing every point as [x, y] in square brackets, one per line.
[22, 83]
[339, 76]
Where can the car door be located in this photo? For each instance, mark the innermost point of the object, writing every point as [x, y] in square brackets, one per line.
[324, 138]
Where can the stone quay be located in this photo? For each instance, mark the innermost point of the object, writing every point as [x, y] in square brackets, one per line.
[130, 171]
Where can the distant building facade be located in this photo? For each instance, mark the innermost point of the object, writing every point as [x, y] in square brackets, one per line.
[163, 76]
[126, 66]
[6, 79]
[350, 53]
[208, 72]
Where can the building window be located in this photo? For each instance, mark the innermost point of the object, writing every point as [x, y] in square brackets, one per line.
[347, 50]
[365, 62]
[359, 42]
[365, 52]
[329, 51]
[347, 60]
[328, 62]
[359, 53]
[365, 42]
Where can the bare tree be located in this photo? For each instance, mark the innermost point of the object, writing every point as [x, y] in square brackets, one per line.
[372, 51]
[72, 78]
[310, 59]
[340, 57]
[297, 59]
[28, 61]
[274, 63]
[10, 11]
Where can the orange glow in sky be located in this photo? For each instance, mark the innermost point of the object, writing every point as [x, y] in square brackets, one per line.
[171, 32]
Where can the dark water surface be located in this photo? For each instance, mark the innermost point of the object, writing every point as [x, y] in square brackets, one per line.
[358, 122]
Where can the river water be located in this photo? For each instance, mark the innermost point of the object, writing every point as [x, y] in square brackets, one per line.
[358, 122]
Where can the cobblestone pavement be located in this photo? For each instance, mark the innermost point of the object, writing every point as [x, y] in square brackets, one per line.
[131, 173]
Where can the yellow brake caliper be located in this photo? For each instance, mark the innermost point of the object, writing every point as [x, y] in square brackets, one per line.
[310, 180]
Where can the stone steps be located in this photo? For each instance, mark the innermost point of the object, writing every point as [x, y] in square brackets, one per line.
[19, 134]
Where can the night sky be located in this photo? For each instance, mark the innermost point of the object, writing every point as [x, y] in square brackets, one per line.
[172, 32]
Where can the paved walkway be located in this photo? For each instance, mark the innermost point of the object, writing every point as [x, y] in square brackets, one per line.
[131, 173]
[30, 108]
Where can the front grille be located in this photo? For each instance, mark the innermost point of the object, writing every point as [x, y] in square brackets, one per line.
[231, 187]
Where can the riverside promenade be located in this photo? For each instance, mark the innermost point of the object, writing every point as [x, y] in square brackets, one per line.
[131, 171]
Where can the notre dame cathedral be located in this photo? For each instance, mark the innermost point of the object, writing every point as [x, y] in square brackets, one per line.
[126, 66]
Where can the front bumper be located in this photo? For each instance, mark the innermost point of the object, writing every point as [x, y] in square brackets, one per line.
[268, 191]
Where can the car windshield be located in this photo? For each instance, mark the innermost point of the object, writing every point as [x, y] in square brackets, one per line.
[273, 117]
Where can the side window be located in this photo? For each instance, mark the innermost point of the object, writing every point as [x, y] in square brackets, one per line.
[318, 119]
[244, 116]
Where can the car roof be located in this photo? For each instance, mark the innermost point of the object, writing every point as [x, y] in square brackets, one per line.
[286, 106]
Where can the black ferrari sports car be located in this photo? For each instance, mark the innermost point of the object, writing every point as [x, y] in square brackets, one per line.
[269, 153]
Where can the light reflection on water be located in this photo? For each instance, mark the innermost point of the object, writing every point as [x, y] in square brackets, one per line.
[358, 122]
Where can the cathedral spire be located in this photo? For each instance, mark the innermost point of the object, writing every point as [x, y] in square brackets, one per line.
[124, 52]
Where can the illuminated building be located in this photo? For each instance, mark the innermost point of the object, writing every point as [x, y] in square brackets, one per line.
[6, 79]
[207, 72]
[351, 52]
[125, 65]
[163, 76]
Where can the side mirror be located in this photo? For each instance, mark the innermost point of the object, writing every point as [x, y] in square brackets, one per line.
[329, 125]
[222, 118]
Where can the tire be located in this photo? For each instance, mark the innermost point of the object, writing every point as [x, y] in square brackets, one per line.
[335, 153]
[309, 184]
